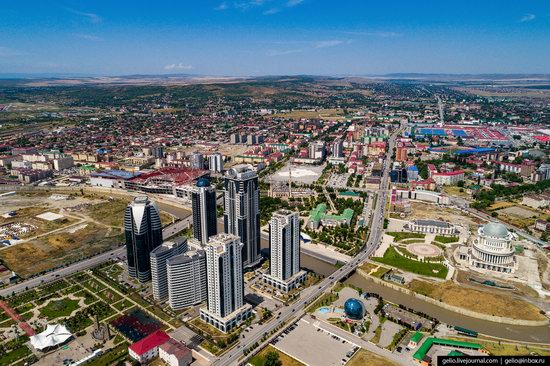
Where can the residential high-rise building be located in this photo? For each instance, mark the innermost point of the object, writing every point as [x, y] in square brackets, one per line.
[197, 160]
[226, 308]
[158, 151]
[143, 232]
[338, 149]
[215, 162]
[317, 150]
[159, 256]
[284, 246]
[203, 199]
[242, 211]
[186, 279]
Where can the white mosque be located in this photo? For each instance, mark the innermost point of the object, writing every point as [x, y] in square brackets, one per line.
[493, 249]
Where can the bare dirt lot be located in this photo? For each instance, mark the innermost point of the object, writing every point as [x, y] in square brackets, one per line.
[485, 302]
[90, 224]
[420, 210]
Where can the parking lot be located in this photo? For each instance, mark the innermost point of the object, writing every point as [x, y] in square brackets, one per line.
[314, 346]
[338, 180]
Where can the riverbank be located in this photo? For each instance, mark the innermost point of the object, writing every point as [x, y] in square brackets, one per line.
[532, 316]
[516, 333]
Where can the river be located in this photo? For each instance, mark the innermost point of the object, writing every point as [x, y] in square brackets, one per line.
[540, 334]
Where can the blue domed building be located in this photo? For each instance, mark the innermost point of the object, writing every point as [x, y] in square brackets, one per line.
[203, 182]
[354, 309]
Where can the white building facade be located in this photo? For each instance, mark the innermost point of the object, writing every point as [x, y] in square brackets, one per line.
[215, 162]
[431, 227]
[225, 284]
[186, 279]
[284, 243]
[159, 256]
[493, 249]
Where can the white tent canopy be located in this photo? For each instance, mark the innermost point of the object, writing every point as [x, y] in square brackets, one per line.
[52, 336]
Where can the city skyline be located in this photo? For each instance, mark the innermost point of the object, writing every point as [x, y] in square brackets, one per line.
[274, 37]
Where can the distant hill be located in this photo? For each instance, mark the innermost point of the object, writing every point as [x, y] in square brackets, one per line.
[465, 77]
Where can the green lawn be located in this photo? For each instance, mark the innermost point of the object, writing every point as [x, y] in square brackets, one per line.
[446, 239]
[398, 236]
[59, 308]
[392, 258]
[112, 356]
[123, 305]
[13, 355]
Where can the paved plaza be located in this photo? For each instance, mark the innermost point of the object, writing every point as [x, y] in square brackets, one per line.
[313, 346]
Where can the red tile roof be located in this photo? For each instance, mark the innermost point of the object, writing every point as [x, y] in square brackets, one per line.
[448, 174]
[176, 348]
[148, 343]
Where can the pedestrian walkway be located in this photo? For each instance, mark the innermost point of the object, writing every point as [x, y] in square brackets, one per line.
[17, 318]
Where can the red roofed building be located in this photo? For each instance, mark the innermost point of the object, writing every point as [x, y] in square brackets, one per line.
[377, 148]
[427, 184]
[431, 170]
[525, 169]
[174, 353]
[148, 348]
[449, 178]
[543, 138]
[164, 181]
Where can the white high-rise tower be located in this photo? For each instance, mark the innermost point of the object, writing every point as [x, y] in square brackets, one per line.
[225, 284]
[284, 244]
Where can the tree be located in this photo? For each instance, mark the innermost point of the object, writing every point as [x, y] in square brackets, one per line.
[272, 359]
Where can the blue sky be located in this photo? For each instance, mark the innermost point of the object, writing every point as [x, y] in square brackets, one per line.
[275, 37]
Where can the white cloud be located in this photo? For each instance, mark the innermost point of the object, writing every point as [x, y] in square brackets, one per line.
[271, 11]
[382, 34]
[330, 43]
[527, 18]
[291, 3]
[284, 52]
[267, 7]
[222, 6]
[88, 37]
[179, 66]
[244, 5]
[307, 46]
[91, 17]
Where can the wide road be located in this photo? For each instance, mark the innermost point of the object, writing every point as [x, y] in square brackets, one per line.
[120, 252]
[310, 294]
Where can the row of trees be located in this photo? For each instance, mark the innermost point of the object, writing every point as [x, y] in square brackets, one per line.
[485, 198]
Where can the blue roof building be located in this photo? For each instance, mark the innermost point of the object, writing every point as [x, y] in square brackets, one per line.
[354, 309]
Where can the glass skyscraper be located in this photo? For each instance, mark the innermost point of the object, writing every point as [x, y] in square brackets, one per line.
[143, 233]
[242, 211]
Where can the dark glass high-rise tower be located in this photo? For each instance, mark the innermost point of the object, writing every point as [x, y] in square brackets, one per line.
[242, 211]
[143, 231]
[203, 199]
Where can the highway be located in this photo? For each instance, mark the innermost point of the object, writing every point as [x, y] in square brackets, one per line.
[120, 252]
[297, 309]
